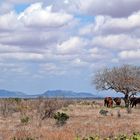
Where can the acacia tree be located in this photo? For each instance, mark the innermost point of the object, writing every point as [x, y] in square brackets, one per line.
[124, 79]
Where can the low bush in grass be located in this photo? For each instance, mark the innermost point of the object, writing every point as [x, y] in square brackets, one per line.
[103, 112]
[27, 138]
[134, 136]
[25, 120]
[61, 118]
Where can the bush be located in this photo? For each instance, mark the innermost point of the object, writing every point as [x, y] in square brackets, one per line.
[24, 120]
[103, 112]
[17, 100]
[134, 136]
[48, 107]
[61, 118]
[27, 138]
[91, 138]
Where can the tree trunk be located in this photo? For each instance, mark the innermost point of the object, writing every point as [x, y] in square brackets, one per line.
[126, 100]
[127, 103]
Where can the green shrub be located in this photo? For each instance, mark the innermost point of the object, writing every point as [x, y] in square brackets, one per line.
[24, 120]
[103, 112]
[27, 138]
[61, 118]
[91, 138]
[17, 100]
[134, 136]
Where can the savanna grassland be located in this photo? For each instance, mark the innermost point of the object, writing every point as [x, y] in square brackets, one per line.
[33, 119]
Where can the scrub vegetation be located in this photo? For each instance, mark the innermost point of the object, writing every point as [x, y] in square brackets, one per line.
[63, 119]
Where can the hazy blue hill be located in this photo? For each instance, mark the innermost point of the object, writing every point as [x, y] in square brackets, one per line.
[67, 94]
[7, 94]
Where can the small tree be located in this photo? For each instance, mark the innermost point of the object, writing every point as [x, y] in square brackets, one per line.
[124, 79]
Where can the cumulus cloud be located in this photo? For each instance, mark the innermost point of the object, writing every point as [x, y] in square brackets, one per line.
[9, 67]
[114, 8]
[129, 23]
[5, 7]
[79, 63]
[110, 25]
[21, 1]
[52, 69]
[131, 54]
[21, 56]
[66, 1]
[6, 48]
[117, 42]
[8, 21]
[37, 16]
[72, 45]
[23, 39]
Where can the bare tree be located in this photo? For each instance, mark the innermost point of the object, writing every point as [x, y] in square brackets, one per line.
[124, 79]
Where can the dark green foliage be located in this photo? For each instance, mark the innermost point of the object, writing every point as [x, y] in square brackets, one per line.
[134, 136]
[103, 112]
[61, 118]
[17, 100]
[24, 120]
[91, 138]
[27, 138]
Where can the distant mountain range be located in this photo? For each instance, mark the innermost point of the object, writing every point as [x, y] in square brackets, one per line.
[49, 94]
[12, 94]
[67, 94]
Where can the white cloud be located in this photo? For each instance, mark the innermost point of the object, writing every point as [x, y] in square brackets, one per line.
[131, 54]
[8, 21]
[52, 69]
[5, 7]
[97, 55]
[110, 25]
[21, 1]
[73, 45]
[12, 68]
[115, 60]
[114, 8]
[23, 38]
[37, 16]
[117, 42]
[66, 1]
[6, 48]
[133, 21]
[78, 63]
[21, 56]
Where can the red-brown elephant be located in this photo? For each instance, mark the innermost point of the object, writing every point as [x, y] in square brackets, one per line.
[108, 101]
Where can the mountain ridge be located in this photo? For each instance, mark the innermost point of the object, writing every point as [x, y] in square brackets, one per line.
[6, 94]
[68, 94]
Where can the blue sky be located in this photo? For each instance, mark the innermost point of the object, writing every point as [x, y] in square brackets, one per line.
[48, 45]
[20, 7]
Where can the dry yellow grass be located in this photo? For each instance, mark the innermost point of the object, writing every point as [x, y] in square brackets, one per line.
[85, 120]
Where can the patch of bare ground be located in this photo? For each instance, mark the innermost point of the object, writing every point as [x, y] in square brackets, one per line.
[84, 120]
